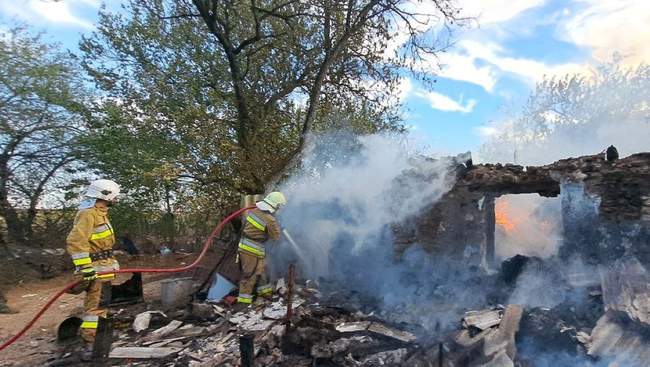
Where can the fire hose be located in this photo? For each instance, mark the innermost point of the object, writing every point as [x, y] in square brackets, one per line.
[71, 285]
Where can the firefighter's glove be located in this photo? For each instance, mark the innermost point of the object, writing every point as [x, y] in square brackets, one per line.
[88, 273]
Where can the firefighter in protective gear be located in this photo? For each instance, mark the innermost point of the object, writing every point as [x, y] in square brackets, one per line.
[260, 225]
[90, 244]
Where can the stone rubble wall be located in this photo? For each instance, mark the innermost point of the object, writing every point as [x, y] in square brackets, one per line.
[461, 224]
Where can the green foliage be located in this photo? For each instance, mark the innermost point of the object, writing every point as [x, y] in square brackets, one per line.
[42, 105]
[203, 101]
[190, 112]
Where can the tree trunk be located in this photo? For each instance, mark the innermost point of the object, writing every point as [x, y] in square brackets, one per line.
[4, 246]
[15, 226]
[3, 305]
[168, 221]
[15, 230]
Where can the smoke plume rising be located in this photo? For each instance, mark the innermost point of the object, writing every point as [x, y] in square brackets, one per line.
[341, 209]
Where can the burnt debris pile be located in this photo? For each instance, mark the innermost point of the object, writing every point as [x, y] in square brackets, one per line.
[591, 323]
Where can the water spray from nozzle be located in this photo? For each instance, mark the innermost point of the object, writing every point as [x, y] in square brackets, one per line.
[301, 254]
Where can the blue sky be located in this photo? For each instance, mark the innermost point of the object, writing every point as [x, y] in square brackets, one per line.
[485, 77]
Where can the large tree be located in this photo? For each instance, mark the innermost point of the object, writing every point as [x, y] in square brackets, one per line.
[236, 87]
[578, 114]
[41, 109]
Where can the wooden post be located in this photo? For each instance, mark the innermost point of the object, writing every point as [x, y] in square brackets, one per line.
[103, 339]
[290, 286]
[490, 228]
[247, 350]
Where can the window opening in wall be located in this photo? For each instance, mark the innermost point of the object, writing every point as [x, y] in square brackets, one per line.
[527, 224]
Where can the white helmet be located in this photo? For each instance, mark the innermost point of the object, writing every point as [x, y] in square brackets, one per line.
[272, 202]
[103, 189]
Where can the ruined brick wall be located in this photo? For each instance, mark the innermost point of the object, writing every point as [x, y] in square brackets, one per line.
[606, 209]
[456, 226]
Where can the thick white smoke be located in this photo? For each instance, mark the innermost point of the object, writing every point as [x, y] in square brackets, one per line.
[341, 207]
[341, 210]
[576, 115]
[355, 187]
[527, 224]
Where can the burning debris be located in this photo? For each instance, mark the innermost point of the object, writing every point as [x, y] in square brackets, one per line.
[211, 334]
[330, 329]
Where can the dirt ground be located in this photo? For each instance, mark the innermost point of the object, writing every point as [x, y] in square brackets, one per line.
[30, 294]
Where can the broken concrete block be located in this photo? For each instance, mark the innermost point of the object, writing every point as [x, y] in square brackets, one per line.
[351, 327]
[143, 319]
[494, 343]
[273, 337]
[164, 331]
[583, 338]
[384, 330]
[510, 326]
[275, 311]
[175, 292]
[251, 321]
[626, 288]
[278, 311]
[466, 340]
[482, 320]
[503, 340]
[238, 318]
[389, 357]
[202, 311]
[143, 353]
[281, 287]
[501, 359]
[157, 344]
[618, 338]
[339, 346]
[377, 328]
[192, 331]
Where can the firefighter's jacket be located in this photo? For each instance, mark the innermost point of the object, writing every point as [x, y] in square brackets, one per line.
[259, 227]
[91, 241]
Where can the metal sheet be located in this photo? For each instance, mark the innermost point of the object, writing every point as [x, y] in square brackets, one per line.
[220, 288]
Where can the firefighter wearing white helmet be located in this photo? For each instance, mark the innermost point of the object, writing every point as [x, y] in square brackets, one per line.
[90, 244]
[260, 226]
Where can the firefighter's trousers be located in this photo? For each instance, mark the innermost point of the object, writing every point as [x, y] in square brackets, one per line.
[92, 310]
[254, 280]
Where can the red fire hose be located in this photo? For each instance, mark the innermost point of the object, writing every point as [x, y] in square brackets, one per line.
[49, 303]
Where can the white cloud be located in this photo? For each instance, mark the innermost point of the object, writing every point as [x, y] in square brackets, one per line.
[462, 67]
[463, 62]
[496, 11]
[529, 70]
[35, 11]
[93, 3]
[476, 62]
[608, 26]
[58, 12]
[443, 103]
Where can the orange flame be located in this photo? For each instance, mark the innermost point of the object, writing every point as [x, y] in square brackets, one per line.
[502, 216]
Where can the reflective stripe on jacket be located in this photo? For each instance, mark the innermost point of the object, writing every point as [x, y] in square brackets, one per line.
[261, 226]
[249, 246]
[91, 233]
